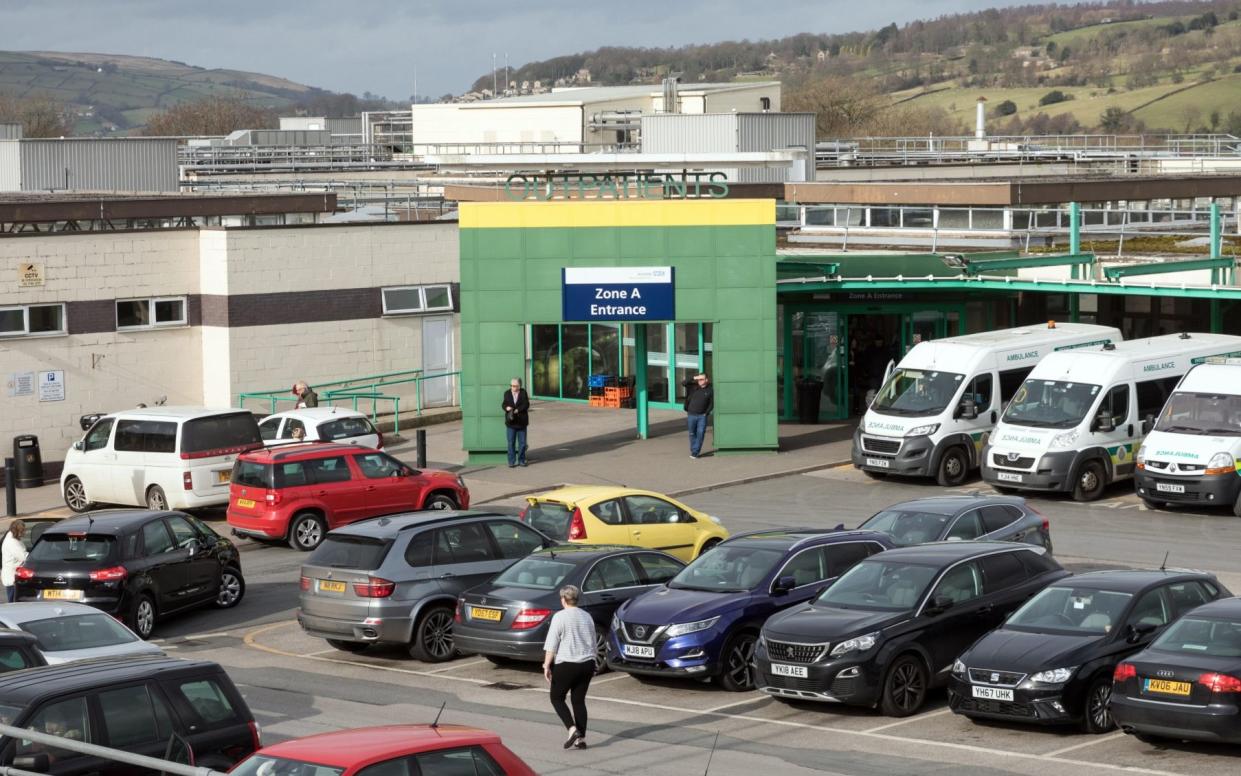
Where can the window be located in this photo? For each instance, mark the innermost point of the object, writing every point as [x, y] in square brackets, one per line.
[998, 516]
[966, 527]
[322, 471]
[129, 716]
[344, 428]
[1116, 406]
[842, 557]
[1010, 381]
[515, 541]
[473, 761]
[980, 392]
[67, 719]
[1002, 571]
[402, 300]
[150, 313]
[146, 436]
[609, 512]
[648, 510]
[377, 466]
[32, 319]
[658, 568]
[462, 544]
[207, 701]
[97, 437]
[182, 532]
[960, 584]
[155, 539]
[610, 574]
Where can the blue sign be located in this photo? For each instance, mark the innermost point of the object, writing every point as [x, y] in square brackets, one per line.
[618, 294]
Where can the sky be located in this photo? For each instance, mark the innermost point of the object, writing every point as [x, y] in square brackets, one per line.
[380, 46]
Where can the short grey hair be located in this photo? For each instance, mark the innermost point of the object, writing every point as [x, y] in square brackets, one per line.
[570, 594]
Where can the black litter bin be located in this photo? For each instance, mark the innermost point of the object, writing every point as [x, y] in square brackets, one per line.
[28, 460]
[809, 394]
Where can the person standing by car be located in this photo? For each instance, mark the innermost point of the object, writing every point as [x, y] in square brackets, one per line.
[516, 406]
[569, 663]
[305, 396]
[699, 403]
[12, 555]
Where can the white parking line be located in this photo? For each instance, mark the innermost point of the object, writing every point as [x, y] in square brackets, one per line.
[458, 665]
[907, 720]
[1091, 742]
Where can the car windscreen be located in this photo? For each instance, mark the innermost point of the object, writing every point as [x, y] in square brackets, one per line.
[917, 392]
[880, 586]
[549, 518]
[344, 551]
[1202, 636]
[541, 573]
[73, 548]
[266, 765]
[1051, 403]
[1071, 609]
[79, 631]
[1205, 414]
[908, 526]
[217, 434]
[253, 474]
[728, 569]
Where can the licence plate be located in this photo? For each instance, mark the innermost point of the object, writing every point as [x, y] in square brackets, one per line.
[490, 615]
[1008, 477]
[779, 669]
[329, 586]
[1169, 487]
[224, 475]
[992, 693]
[1164, 686]
[633, 650]
[245, 503]
[62, 595]
[882, 463]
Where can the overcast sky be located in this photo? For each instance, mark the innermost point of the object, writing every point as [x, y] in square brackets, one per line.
[345, 45]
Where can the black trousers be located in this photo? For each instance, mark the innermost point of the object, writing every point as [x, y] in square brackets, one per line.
[572, 679]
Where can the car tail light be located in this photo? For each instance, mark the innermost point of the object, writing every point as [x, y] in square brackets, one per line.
[530, 618]
[272, 497]
[112, 574]
[305, 583]
[374, 587]
[187, 480]
[23, 573]
[257, 734]
[1124, 671]
[577, 526]
[1220, 682]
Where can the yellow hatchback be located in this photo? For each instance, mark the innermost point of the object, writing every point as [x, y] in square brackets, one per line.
[605, 514]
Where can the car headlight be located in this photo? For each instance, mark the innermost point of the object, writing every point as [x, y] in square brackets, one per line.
[926, 430]
[958, 668]
[686, 628]
[1067, 439]
[1053, 676]
[855, 644]
[1140, 458]
[1221, 463]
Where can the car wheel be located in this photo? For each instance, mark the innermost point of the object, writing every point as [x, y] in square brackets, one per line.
[1095, 715]
[347, 646]
[307, 531]
[499, 660]
[905, 687]
[141, 619]
[156, 499]
[875, 475]
[232, 589]
[433, 636]
[953, 468]
[707, 545]
[75, 495]
[1091, 480]
[601, 651]
[440, 501]
[735, 672]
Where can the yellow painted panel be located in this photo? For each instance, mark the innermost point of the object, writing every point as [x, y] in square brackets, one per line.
[597, 213]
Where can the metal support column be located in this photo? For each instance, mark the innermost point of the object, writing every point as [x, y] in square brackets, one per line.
[1075, 248]
[640, 393]
[788, 363]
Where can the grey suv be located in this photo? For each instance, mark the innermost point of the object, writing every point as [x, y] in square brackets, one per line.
[395, 579]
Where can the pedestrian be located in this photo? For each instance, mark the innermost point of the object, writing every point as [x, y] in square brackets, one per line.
[12, 555]
[699, 403]
[569, 663]
[516, 406]
[305, 396]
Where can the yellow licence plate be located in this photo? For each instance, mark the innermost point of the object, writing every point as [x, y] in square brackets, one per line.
[328, 586]
[245, 503]
[64, 595]
[1170, 688]
[224, 475]
[491, 615]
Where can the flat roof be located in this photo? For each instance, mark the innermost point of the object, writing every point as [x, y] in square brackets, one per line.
[1052, 190]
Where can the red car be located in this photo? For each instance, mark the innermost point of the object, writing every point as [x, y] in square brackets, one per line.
[299, 492]
[427, 750]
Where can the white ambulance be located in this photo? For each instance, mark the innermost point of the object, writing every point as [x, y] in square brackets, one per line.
[935, 411]
[1194, 454]
[1078, 420]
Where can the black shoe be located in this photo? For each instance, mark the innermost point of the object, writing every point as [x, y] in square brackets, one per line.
[572, 739]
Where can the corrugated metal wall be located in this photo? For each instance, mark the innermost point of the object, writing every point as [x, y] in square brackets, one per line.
[10, 131]
[79, 164]
[769, 131]
[10, 165]
[673, 133]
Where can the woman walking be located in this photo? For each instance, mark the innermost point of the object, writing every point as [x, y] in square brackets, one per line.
[12, 555]
[569, 663]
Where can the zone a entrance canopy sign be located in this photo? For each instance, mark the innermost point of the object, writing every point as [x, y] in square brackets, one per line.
[618, 294]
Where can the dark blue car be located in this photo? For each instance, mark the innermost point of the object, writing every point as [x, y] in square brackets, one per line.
[704, 622]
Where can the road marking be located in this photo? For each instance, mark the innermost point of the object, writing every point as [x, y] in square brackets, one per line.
[1091, 742]
[916, 718]
[458, 665]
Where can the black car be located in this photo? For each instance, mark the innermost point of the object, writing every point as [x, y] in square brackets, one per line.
[148, 705]
[890, 628]
[1052, 660]
[962, 518]
[507, 618]
[1187, 683]
[18, 650]
[136, 564]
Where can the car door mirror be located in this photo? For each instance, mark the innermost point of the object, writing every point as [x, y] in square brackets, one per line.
[784, 585]
[79, 445]
[1139, 631]
[939, 604]
[38, 762]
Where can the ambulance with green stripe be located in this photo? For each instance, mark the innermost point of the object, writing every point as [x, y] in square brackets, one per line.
[1194, 454]
[1076, 423]
[935, 411]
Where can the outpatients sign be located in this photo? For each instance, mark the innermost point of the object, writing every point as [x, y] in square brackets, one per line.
[618, 294]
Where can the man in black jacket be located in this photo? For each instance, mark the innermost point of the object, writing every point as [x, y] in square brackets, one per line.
[699, 402]
[516, 405]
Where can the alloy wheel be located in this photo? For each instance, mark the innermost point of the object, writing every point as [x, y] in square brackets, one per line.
[437, 634]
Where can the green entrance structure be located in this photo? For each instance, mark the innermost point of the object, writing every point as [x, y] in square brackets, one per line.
[723, 256]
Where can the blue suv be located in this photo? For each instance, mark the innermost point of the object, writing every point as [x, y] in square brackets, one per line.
[705, 621]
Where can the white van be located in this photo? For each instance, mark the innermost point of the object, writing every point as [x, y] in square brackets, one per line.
[1077, 421]
[1194, 454]
[935, 411]
[160, 458]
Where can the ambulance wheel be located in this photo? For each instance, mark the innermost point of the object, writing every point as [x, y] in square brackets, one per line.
[954, 467]
[1091, 481]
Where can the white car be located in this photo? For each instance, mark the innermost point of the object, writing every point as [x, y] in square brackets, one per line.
[64, 632]
[327, 424]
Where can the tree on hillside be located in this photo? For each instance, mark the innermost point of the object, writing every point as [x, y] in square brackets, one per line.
[212, 116]
[40, 116]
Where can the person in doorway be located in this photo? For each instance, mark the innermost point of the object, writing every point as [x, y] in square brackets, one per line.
[12, 555]
[569, 663]
[305, 396]
[516, 406]
[699, 403]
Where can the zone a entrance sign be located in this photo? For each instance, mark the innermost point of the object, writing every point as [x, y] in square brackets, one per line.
[618, 294]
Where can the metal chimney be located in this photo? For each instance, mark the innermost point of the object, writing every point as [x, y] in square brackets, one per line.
[980, 119]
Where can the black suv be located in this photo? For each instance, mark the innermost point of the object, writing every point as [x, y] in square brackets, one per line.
[892, 626]
[144, 705]
[136, 564]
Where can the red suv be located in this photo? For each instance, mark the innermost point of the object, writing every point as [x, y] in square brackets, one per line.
[300, 492]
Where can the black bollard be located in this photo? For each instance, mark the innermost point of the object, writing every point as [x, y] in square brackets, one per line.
[10, 487]
[422, 448]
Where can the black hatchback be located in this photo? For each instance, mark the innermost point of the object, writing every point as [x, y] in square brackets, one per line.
[1052, 660]
[138, 565]
[890, 627]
